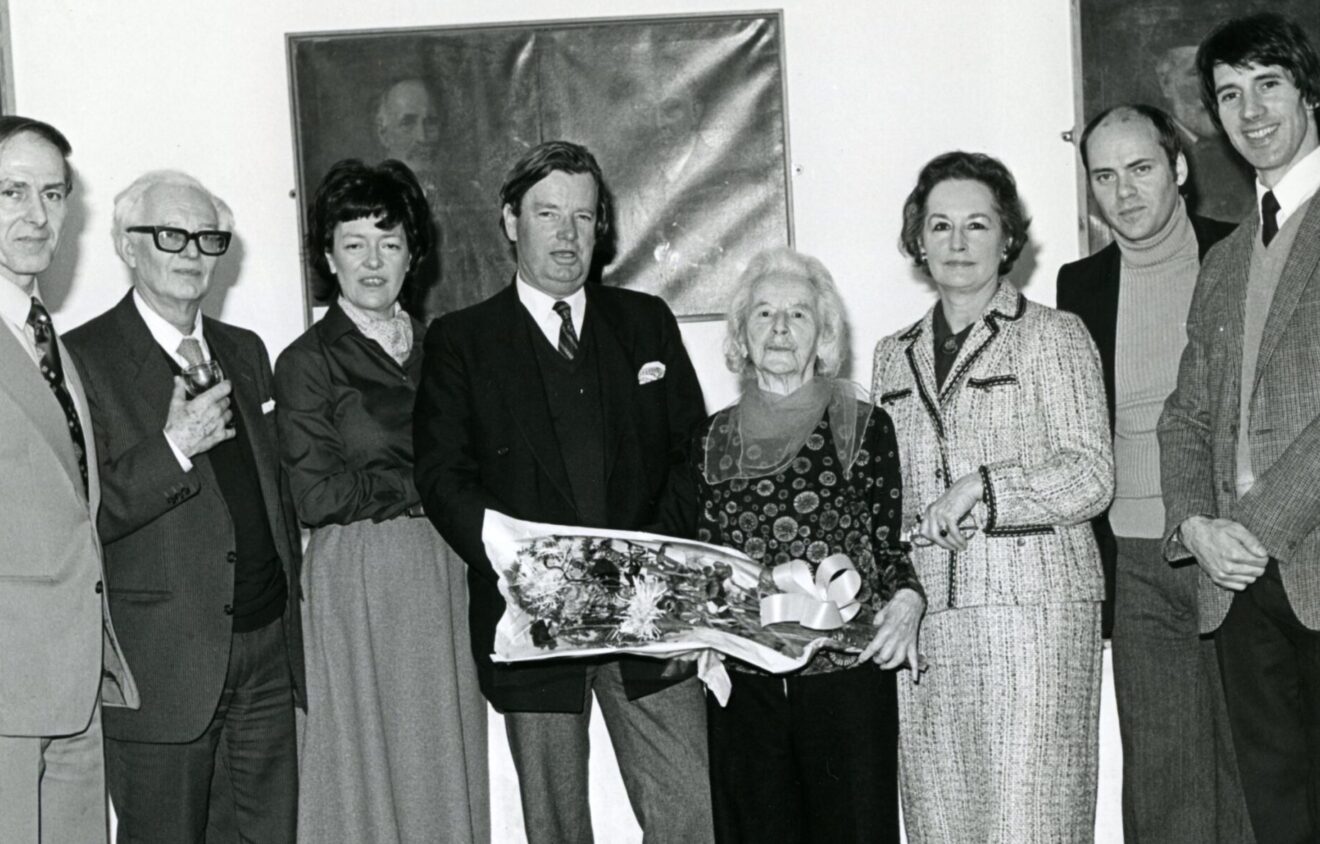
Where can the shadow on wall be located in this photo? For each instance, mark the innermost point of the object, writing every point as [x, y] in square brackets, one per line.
[57, 280]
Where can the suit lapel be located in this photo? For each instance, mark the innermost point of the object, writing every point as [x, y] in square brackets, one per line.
[31, 392]
[921, 362]
[1298, 272]
[523, 390]
[246, 399]
[147, 373]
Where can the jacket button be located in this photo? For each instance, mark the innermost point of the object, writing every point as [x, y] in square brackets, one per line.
[231, 557]
[1226, 487]
[229, 609]
[100, 587]
[1022, 540]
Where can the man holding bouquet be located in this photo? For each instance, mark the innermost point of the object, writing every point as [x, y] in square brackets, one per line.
[558, 401]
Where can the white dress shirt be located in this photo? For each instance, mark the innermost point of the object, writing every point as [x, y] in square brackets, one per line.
[1297, 185]
[15, 305]
[541, 306]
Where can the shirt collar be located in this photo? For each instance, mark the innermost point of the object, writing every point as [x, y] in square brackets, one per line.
[1295, 188]
[15, 305]
[541, 304]
[165, 334]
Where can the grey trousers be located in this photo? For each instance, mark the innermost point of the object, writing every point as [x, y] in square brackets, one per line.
[659, 741]
[1180, 777]
[52, 789]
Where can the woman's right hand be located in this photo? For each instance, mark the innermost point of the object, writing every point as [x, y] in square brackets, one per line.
[941, 522]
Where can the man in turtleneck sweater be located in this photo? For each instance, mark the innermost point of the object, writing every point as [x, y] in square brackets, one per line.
[1240, 436]
[1179, 777]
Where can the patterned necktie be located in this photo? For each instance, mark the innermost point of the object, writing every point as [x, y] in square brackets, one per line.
[568, 340]
[1269, 223]
[43, 332]
[191, 351]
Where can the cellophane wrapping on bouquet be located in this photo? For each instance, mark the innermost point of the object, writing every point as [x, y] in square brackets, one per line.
[582, 592]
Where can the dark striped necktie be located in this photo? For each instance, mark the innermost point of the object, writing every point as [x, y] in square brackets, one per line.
[568, 339]
[43, 332]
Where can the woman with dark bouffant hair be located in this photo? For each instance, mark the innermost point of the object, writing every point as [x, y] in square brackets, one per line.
[394, 747]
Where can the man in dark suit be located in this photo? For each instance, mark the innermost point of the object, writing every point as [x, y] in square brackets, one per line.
[1180, 780]
[1240, 436]
[558, 401]
[200, 538]
[54, 627]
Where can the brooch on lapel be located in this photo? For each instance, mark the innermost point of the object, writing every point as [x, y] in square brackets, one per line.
[653, 371]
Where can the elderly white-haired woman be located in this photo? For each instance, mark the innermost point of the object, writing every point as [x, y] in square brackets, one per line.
[802, 466]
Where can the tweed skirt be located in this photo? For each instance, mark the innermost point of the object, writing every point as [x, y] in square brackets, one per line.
[999, 740]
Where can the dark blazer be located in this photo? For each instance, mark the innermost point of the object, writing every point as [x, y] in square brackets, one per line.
[359, 464]
[1199, 427]
[1089, 288]
[484, 439]
[169, 542]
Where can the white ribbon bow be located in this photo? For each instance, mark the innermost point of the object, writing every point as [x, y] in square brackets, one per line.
[824, 602]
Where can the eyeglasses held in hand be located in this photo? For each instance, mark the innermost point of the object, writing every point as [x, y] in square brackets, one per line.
[967, 527]
[172, 239]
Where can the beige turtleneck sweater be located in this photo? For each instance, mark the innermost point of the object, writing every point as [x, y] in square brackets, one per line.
[1156, 280]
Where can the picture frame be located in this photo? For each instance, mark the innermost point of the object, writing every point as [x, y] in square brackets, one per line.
[686, 114]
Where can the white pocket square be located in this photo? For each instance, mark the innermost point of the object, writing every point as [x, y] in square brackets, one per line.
[267, 406]
[653, 371]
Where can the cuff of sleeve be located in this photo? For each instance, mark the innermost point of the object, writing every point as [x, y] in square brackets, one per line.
[184, 463]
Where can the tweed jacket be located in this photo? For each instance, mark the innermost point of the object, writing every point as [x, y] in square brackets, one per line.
[1024, 405]
[57, 645]
[1198, 430]
[169, 541]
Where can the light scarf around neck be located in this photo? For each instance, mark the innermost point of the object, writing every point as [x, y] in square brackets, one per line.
[763, 432]
[394, 333]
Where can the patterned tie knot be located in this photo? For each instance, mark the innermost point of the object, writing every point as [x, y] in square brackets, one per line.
[191, 351]
[39, 319]
[565, 311]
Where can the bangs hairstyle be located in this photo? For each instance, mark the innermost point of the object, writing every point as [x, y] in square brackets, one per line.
[1264, 39]
[832, 337]
[1169, 138]
[12, 125]
[972, 167]
[353, 190]
[544, 159]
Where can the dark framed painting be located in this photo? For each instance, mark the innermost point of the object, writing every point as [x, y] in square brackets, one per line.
[1143, 51]
[686, 116]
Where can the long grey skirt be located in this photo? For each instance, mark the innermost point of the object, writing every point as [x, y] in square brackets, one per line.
[394, 742]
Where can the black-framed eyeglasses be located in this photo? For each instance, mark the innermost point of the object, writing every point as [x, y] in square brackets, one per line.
[173, 239]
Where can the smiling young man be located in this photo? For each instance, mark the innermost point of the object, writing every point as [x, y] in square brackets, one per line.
[562, 401]
[1133, 296]
[1240, 435]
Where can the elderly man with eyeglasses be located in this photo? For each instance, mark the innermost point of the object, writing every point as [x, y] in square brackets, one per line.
[201, 542]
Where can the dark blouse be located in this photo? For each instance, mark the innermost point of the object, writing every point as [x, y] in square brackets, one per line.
[813, 509]
[344, 410]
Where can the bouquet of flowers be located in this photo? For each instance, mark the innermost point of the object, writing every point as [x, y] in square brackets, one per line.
[576, 592]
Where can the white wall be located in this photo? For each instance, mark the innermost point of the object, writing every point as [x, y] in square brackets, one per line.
[874, 90]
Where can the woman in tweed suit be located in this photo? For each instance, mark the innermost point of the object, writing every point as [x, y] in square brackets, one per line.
[1000, 414]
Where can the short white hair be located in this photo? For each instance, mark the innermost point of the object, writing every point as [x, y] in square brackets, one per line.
[128, 200]
[831, 341]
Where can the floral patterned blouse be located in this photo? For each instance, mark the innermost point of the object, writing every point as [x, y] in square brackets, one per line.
[813, 509]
